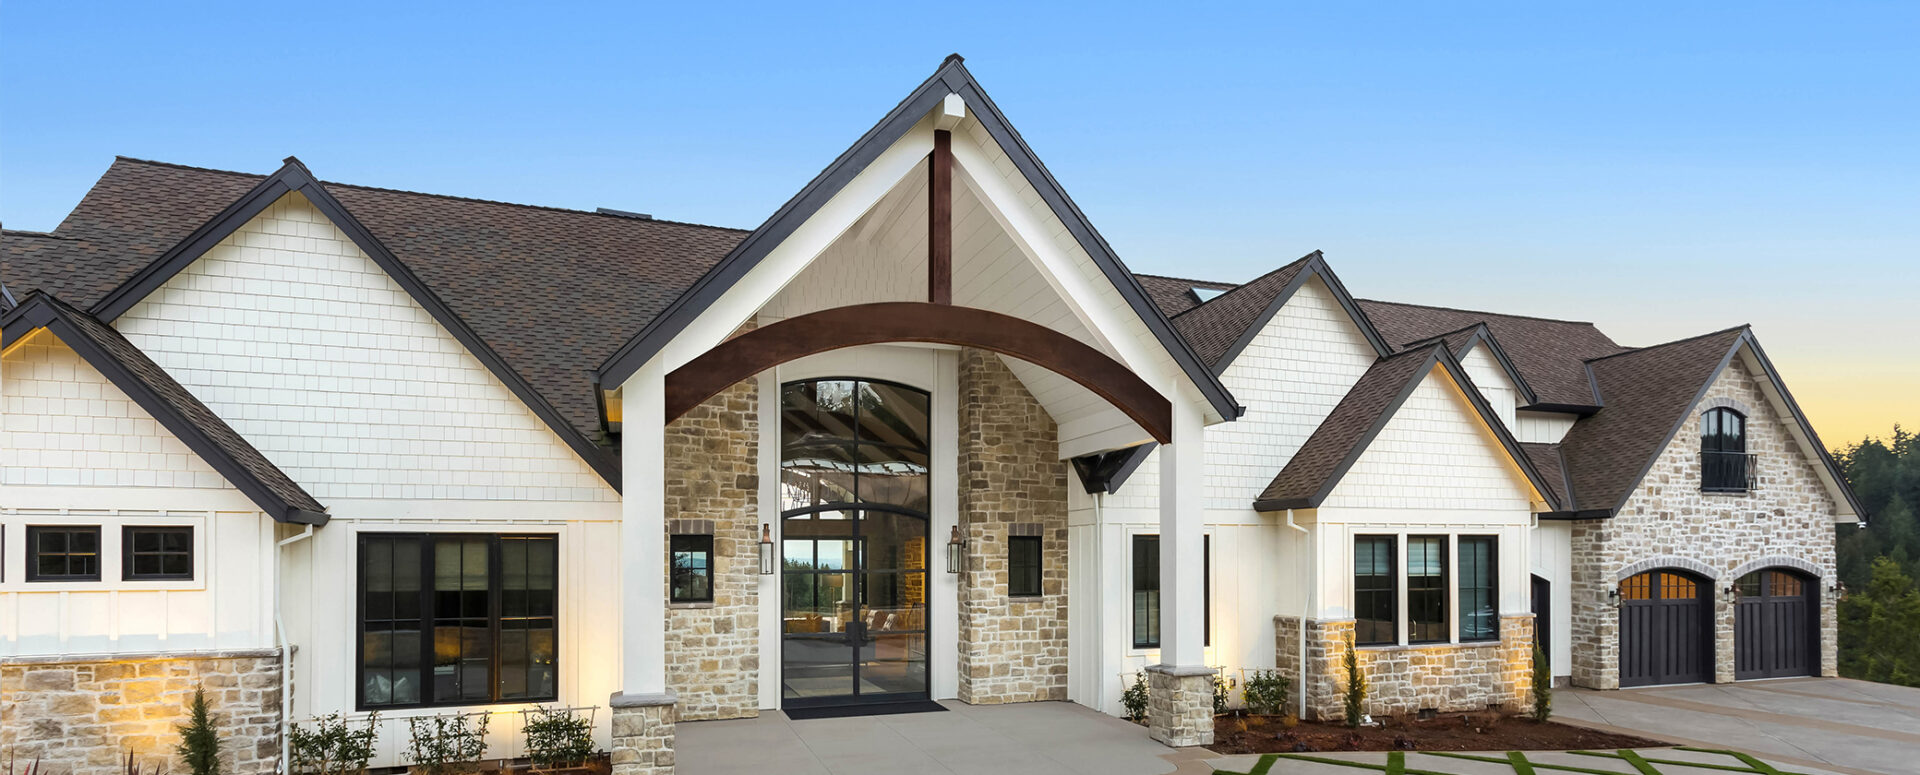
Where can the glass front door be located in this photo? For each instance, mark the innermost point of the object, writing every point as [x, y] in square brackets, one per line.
[854, 542]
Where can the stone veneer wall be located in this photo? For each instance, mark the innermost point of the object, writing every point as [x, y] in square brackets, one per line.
[713, 650]
[643, 733]
[1180, 705]
[1669, 521]
[1012, 649]
[1404, 679]
[82, 716]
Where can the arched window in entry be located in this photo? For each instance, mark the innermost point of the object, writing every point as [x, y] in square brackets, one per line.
[855, 489]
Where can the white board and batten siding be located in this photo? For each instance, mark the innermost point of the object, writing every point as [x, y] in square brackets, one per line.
[1495, 386]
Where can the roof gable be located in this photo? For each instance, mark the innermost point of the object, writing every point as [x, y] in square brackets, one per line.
[1550, 354]
[1464, 340]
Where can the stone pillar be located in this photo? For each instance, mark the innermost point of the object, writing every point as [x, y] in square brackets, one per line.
[643, 733]
[1180, 705]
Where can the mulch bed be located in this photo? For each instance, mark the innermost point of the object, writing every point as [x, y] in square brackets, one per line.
[1486, 731]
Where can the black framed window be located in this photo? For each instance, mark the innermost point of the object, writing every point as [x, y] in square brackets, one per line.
[1023, 566]
[156, 553]
[1206, 590]
[63, 552]
[1375, 594]
[1427, 589]
[1146, 592]
[692, 568]
[1724, 464]
[1480, 588]
[457, 618]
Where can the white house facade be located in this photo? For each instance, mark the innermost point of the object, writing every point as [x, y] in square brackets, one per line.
[329, 449]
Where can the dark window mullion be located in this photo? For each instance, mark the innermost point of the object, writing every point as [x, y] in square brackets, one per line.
[429, 622]
[496, 580]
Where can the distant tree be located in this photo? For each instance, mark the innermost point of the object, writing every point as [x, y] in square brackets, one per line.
[1880, 614]
[1880, 628]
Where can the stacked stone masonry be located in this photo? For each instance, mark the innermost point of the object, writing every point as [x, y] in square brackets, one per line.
[82, 717]
[1012, 649]
[1669, 522]
[643, 739]
[713, 650]
[1402, 680]
[1179, 706]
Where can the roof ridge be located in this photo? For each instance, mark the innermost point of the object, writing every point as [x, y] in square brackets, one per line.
[1444, 334]
[1230, 291]
[1480, 312]
[1186, 279]
[39, 234]
[453, 197]
[1633, 350]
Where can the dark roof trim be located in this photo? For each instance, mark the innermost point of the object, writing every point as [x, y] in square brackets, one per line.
[1573, 515]
[951, 78]
[1481, 334]
[294, 176]
[1097, 472]
[1566, 476]
[42, 311]
[6, 297]
[1316, 265]
[1579, 409]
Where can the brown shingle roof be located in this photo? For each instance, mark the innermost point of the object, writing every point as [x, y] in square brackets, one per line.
[1550, 354]
[1173, 294]
[1313, 470]
[1553, 473]
[1214, 327]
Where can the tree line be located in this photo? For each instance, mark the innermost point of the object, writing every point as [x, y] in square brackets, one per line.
[1878, 563]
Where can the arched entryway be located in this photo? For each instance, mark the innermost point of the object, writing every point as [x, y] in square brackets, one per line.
[1776, 625]
[1666, 628]
[855, 483]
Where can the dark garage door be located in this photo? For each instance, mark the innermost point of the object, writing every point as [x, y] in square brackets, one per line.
[1665, 635]
[1776, 626]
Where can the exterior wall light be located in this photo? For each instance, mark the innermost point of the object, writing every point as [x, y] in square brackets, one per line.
[1613, 597]
[766, 550]
[956, 551]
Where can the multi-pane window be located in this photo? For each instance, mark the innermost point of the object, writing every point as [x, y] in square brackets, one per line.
[1479, 590]
[692, 568]
[1374, 591]
[457, 618]
[63, 553]
[1724, 464]
[1023, 566]
[156, 553]
[1146, 592]
[1426, 589]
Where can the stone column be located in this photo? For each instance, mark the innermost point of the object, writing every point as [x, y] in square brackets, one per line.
[1180, 705]
[1180, 689]
[643, 733]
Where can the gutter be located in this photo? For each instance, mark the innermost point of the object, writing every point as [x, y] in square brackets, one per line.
[286, 652]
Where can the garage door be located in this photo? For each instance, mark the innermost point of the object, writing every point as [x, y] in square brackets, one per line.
[1776, 626]
[1665, 635]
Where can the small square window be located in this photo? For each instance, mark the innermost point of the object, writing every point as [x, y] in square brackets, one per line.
[1023, 566]
[692, 568]
[156, 553]
[63, 553]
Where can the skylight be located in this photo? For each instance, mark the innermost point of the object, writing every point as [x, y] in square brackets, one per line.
[1204, 294]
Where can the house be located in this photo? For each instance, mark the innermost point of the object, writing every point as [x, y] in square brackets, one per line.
[323, 448]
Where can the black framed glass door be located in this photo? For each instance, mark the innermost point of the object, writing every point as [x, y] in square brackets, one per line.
[854, 543]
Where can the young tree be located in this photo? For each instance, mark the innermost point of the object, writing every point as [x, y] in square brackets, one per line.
[1878, 628]
[199, 743]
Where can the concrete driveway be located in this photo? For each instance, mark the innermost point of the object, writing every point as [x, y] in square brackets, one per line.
[1835, 724]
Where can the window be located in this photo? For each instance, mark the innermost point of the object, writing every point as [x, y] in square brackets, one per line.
[1146, 592]
[1479, 588]
[1206, 590]
[1023, 566]
[1374, 592]
[156, 553]
[457, 618]
[692, 569]
[1427, 589]
[63, 553]
[1724, 463]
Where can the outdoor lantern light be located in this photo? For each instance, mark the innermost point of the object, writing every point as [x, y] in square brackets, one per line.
[1613, 597]
[956, 551]
[766, 550]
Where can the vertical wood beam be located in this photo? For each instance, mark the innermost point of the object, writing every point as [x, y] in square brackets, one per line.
[940, 219]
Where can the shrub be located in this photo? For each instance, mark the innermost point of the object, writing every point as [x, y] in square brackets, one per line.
[1542, 685]
[329, 746]
[1356, 699]
[558, 738]
[1134, 699]
[1219, 694]
[447, 745]
[1266, 692]
[199, 741]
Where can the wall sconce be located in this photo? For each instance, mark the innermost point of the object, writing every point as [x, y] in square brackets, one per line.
[1731, 591]
[1613, 597]
[766, 550]
[956, 551]
[1837, 590]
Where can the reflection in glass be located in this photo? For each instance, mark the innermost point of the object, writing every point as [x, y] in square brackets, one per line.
[893, 664]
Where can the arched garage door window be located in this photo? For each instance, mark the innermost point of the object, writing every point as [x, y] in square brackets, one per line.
[1776, 625]
[1666, 633]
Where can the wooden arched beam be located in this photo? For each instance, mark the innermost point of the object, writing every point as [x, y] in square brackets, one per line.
[910, 321]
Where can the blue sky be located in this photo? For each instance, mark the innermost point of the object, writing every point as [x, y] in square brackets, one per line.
[1662, 170]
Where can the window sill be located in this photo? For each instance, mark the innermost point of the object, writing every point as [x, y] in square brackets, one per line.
[690, 606]
[1707, 491]
[1472, 644]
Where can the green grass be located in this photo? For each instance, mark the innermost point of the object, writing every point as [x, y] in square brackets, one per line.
[1396, 763]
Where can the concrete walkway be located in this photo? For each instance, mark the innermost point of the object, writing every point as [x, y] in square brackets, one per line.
[1665, 761]
[1038, 738]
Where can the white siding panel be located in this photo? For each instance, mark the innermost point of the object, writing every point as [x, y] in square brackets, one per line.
[1543, 427]
[1434, 454]
[1492, 380]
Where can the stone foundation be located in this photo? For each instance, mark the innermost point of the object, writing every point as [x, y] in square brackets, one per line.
[1180, 705]
[1402, 680]
[643, 734]
[80, 716]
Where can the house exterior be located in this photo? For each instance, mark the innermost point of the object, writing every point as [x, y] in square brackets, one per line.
[330, 449]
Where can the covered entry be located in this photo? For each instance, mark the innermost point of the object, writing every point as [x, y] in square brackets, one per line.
[1776, 625]
[1666, 633]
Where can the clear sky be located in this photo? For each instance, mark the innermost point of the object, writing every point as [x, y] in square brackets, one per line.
[1661, 169]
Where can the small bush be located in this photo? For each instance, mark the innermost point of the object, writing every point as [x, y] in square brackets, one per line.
[1134, 699]
[1219, 694]
[1542, 685]
[199, 741]
[1356, 698]
[329, 746]
[558, 738]
[1266, 692]
[447, 745]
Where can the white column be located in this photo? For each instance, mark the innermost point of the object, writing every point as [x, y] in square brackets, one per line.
[643, 551]
[1182, 602]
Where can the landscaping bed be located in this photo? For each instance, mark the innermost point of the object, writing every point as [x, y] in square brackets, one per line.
[1484, 731]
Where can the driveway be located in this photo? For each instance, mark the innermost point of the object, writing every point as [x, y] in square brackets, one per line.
[1035, 738]
[1835, 724]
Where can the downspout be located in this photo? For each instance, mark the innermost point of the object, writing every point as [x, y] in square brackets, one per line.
[1306, 607]
[286, 651]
